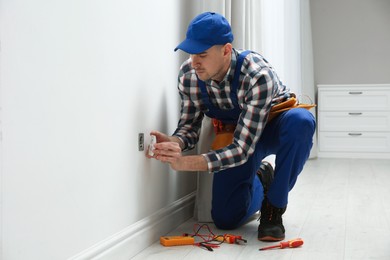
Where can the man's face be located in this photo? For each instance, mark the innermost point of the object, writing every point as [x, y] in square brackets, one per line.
[212, 63]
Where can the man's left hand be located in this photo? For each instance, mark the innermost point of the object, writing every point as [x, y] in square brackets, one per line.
[168, 152]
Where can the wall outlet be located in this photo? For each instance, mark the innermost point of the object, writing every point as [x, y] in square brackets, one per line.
[141, 141]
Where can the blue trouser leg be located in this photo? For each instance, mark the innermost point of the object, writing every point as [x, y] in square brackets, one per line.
[238, 193]
[293, 132]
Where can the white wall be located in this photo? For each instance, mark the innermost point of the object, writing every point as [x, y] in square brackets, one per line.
[351, 41]
[79, 80]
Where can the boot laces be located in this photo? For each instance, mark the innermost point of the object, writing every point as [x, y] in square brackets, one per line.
[271, 214]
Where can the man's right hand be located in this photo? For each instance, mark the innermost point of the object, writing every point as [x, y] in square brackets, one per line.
[168, 150]
[161, 137]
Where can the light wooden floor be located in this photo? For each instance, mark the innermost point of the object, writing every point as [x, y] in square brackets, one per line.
[339, 207]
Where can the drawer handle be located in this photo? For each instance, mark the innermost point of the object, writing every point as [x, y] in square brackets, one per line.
[355, 114]
[355, 92]
[354, 134]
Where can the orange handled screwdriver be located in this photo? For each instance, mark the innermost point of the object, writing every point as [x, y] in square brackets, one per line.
[291, 243]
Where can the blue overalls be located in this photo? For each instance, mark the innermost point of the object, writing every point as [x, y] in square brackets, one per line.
[237, 192]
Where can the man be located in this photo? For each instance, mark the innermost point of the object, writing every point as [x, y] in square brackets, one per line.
[236, 87]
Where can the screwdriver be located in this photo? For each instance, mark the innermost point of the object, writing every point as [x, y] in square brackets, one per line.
[291, 243]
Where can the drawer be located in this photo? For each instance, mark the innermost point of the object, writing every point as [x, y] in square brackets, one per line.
[353, 99]
[354, 142]
[354, 121]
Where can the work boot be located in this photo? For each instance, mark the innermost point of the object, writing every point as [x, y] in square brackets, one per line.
[266, 175]
[271, 225]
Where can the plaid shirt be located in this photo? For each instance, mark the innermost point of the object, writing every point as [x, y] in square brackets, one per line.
[259, 89]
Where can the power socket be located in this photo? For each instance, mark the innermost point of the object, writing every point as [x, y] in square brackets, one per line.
[141, 142]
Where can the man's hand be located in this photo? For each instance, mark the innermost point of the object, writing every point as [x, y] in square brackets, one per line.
[168, 150]
[165, 138]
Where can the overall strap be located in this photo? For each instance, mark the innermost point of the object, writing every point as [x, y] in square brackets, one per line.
[225, 115]
[203, 91]
[236, 79]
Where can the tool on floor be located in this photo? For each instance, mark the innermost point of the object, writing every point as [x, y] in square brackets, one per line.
[177, 240]
[208, 240]
[231, 239]
[291, 243]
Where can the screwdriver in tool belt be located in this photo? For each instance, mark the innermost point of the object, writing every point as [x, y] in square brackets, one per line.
[291, 243]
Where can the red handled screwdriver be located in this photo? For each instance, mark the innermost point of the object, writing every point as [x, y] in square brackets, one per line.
[291, 243]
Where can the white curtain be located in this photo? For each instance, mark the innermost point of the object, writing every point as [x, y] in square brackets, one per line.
[280, 30]
[285, 41]
[307, 68]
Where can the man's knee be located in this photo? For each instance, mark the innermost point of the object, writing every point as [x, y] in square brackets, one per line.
[299, 123]
[227, 219]
[225, 223]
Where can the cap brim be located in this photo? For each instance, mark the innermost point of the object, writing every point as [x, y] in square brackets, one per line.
[192, 47]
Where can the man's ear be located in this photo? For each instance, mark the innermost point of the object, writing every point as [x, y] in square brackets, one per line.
[227, 49]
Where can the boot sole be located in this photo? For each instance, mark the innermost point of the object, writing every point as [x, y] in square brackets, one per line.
[270, 239]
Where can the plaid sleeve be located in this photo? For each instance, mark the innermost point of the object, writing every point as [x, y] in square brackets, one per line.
[255, 98]
[191, 117]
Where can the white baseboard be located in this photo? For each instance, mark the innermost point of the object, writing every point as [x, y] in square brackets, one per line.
[133, 239]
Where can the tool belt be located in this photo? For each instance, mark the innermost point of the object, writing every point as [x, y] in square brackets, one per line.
[224, 133]
[290, 103]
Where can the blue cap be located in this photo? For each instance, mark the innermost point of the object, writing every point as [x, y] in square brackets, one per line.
[204, 31]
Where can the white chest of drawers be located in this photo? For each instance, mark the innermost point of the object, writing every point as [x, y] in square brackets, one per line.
[354, 121]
